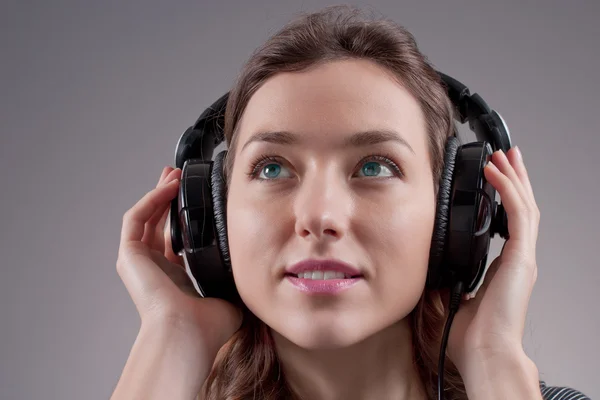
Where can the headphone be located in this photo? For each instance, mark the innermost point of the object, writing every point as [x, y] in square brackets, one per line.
[467, 216]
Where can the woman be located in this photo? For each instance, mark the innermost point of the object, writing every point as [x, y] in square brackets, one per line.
[318, 192]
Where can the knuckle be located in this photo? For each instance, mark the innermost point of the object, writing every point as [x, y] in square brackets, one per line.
[119, 266]
[522, 210]
[127, 215]
[533, 212]
[531, 264]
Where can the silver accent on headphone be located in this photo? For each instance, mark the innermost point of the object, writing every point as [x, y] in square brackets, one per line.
[503, 124]
[177, 147]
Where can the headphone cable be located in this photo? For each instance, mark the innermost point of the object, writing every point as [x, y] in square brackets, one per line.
[455, 296]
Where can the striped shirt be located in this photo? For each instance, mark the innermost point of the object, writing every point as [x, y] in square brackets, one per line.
[560, 393]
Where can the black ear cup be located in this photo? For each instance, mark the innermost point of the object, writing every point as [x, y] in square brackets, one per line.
[227, 288]
[199, 224]
[219, 198]
[440, 230]
[466, 218]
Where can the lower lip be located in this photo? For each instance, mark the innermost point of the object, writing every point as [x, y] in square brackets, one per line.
[322, 286]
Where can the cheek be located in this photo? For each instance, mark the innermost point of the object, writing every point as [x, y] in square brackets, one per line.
[255, 231]
[399, 244]
[399, 229]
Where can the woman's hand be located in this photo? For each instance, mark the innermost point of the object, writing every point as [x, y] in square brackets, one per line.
[490, 326]
[156, 278]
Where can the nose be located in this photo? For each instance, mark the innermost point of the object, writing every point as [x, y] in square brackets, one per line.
[322, 207]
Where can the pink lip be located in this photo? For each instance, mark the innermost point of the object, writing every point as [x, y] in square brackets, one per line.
[326, 286]
[323, 265]
[318, 286]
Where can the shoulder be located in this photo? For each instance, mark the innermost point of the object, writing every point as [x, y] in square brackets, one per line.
[560, 393]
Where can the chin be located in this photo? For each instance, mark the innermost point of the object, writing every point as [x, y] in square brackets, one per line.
[321, 342]
[323, 332]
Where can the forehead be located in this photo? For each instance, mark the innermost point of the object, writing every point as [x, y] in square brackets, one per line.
[333, 100]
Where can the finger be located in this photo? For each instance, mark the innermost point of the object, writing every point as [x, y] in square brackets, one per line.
[153, 228]
[160, 226]
[164, 233]
[169, 254]
[503, 164]
[153, 235]
[164, 236]
[516, 210]
[134, 219]
[514, 155]
[158, 231]
[165, 172]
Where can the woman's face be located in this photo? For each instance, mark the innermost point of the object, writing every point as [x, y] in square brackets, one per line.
[330, 191]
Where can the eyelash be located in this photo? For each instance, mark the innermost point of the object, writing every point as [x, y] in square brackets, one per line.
[263, 160]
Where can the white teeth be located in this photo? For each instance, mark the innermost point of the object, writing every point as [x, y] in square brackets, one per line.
[323, 275]
[329, 275]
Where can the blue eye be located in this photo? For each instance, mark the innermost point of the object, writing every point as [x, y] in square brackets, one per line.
[374, 168]
[271, 170]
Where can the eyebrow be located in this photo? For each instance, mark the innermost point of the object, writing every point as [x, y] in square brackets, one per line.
[358, 139]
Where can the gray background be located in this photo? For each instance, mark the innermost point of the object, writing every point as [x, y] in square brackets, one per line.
[94, 96]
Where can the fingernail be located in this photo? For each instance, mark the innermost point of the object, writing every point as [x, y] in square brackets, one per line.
[518, 152]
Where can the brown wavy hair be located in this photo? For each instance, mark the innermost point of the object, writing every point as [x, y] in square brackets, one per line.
[247, 367]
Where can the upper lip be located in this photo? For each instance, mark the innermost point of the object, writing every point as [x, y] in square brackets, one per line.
[312, 264]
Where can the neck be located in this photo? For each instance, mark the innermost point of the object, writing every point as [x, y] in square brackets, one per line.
[379, 367]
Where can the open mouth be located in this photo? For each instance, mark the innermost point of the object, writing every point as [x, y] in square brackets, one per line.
[323, 275]
[323, 282]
